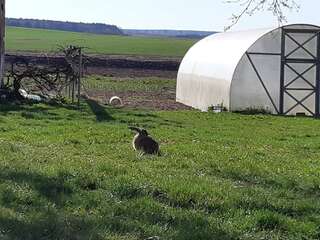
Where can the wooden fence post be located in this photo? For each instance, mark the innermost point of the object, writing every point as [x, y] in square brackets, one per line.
[80, 75]
[2, 35]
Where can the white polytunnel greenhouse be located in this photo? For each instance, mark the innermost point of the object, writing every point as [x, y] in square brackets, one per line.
[274, 70]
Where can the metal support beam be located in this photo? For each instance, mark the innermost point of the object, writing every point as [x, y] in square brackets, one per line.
[300, 75]
[262, 53]
[300, 89]
[282, 71]
[262, 83]
[301, 45]
[300, 102]
[317, 112]
[300, 60]
[288, 30]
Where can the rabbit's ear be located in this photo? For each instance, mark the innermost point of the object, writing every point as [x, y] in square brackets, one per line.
[145, 132]
[135, 129]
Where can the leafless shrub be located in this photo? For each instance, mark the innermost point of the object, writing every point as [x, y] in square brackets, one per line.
[49, 80]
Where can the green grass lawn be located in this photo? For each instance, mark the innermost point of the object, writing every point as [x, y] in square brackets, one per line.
[39, 40]
[69, 174]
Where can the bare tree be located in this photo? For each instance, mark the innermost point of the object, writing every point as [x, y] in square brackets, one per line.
[251, 7]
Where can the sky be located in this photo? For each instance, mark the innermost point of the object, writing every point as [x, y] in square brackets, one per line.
[211, 15]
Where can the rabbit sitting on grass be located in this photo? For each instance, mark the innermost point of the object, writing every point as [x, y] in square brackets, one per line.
[144, 143]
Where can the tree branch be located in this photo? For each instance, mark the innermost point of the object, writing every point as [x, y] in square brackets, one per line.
[251, 7]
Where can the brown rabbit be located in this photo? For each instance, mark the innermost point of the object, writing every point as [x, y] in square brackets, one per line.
[144, 143]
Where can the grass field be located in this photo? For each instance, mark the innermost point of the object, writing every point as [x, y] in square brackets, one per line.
[70, 174]
[146, 84]
[39, 40]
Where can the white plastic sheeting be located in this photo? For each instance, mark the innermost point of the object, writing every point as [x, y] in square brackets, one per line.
[217, 71]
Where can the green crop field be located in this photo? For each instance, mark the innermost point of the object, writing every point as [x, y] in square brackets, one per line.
[147, 84]
[39, 40]
[72, 174]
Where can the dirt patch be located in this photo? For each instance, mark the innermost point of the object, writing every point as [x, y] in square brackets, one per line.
[124, 68]
[105, 61]
[160, 100]
[109, 65]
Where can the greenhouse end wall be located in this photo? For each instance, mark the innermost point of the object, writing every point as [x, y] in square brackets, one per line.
[206, 72]
[245, 70]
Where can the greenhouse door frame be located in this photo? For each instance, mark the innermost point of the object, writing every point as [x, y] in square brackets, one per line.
[314, 61]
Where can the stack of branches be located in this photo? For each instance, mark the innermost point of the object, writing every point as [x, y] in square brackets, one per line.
[50, 80]
[74, 58]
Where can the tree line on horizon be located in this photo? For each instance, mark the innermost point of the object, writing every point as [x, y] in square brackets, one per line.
[105, 29]
[96, 28]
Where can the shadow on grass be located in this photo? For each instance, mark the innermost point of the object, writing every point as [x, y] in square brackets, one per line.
[99, 111]
[48, 225]
[53, 212]
[42, 215]
[31, 110]
[46, 111]
[55, 189]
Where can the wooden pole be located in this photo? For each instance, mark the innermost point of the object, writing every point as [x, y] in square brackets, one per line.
[66, 86]
[2, 35]
[73, 89]
[80, 75]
